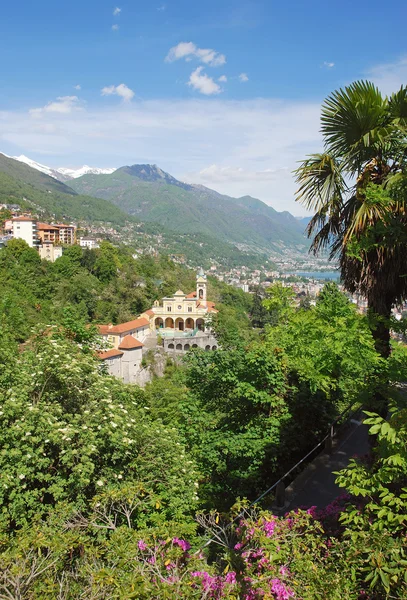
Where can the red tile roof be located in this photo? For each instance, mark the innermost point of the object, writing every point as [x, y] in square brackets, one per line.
[23, 219]
[129, 343]
[109, 354]
[149, 312]
[47, 226]
[123, 327]
[191, 295]
[209, 305]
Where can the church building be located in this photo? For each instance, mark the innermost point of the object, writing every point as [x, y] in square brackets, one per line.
[182, 312]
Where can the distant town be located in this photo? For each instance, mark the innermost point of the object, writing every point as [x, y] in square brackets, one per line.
[305, 273]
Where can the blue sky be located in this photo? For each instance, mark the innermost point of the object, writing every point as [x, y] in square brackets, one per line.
[224, 93]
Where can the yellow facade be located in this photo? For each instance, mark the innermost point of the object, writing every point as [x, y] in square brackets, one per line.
[183, 312]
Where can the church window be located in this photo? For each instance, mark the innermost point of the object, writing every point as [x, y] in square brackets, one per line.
[168, 308]
[201, 293]
[179, 306]
[189, 308]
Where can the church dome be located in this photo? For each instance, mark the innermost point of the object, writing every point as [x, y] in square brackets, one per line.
[179, 293]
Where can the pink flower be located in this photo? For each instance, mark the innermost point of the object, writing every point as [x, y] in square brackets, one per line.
[269, 527]
[182, 544]
[251, 595]
[210, 584]
[280, 591]
[142, 545]
[230, 577]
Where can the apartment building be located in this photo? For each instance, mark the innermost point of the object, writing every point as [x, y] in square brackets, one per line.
[67, 234]
[48, 233]
[25, 228]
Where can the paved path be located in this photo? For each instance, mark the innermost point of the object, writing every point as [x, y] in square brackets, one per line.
[315, 486]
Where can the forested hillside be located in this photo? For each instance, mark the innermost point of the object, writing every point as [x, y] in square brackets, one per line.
[33, 190]
[110, 491]
[150, 194]
[104, 285]
[106, 479]
[48, 198]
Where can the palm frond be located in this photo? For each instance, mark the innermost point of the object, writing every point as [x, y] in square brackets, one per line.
[321, 184]
[397, 108]
[353, 122]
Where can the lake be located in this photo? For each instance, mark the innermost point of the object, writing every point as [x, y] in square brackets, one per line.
[318, 274]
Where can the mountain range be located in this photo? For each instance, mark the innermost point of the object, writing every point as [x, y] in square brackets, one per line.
[35, 190]
[150, 194]
[147, 193]
[62, 173]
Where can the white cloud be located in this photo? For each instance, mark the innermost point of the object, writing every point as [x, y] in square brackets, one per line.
[118, 90]
[223, 78]
[389, 77]
[117, 11]
[254, 144]
[203, 83]
[237, 147]
[77, 87]
[189, 50]
[215, 174]
[243, 77]
[115, 27]
[62, 105]
[162, 7]
[328, 65]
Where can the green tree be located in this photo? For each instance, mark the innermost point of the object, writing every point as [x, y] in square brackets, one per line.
[279, 302]
[258, 313]
[69, 433]
[233, 418]
[331, 360]
[18, 250]
[357, 190]
[377, 518]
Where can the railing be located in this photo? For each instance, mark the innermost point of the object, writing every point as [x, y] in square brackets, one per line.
[176, 333]
[327, 442]
[193, 332]
[279, 486]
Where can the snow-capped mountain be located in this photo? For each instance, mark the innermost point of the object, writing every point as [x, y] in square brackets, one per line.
[85, 170]
[36, 165]
[62, 174]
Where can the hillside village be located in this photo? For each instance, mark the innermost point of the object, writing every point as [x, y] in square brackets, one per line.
[50, 239]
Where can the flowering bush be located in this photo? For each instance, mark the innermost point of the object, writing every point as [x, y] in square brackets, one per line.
[271, 558]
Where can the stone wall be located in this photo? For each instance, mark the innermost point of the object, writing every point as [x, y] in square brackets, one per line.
[180, 344]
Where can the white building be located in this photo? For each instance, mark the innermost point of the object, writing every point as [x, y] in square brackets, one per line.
[90, 243]
[25, 228]
[124, 362]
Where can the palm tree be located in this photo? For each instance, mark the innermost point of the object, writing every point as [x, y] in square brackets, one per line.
[357, 189]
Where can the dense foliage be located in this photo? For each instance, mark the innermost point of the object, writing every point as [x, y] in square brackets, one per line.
[110, 491]
[252, 408]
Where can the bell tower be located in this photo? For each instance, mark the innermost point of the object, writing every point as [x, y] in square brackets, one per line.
[201, 287]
